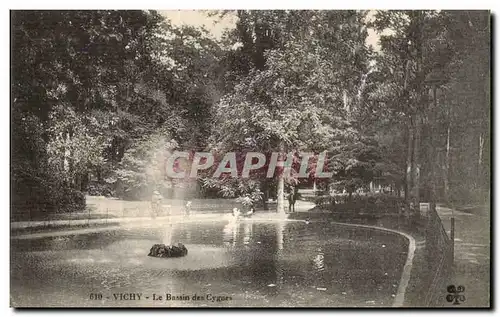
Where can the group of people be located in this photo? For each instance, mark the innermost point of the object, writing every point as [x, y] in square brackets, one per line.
[237, 213]
[157, 206]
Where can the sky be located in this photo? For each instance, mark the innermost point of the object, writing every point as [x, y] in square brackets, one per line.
[200, 18]
[216, 27]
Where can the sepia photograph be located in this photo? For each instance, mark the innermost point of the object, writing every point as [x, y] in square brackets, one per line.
[250, 158]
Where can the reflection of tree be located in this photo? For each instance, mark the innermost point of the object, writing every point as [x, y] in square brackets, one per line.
[265, 262]
[248, 232]
[280, 228]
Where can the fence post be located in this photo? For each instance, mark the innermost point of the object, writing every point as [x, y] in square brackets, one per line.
[452, 238]
[428, 239]
[432, 236]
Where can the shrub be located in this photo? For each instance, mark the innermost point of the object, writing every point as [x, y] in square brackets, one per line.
[38, 194]
[324, 200]
[68, 200]
[464, 195]
[99, 189]
[379, 204]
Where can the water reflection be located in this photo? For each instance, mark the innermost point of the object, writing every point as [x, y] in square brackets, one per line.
[280, 241]
[247, 232]
[230, 233]
[280, 229]
[319, 261]
[257, 263]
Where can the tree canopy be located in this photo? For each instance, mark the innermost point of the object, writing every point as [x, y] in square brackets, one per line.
[100, 99]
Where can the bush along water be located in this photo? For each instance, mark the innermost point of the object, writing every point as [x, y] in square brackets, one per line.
[379, 204]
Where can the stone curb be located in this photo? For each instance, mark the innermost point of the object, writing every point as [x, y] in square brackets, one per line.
[405, 276]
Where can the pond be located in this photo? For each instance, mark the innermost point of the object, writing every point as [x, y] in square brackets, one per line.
[229, 264]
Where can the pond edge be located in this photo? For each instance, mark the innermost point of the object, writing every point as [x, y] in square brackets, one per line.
[405, 276]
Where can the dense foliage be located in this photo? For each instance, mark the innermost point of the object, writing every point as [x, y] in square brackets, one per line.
[100, 99]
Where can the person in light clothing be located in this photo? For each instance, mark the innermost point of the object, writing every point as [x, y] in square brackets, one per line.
[156, 201]
[187, 208]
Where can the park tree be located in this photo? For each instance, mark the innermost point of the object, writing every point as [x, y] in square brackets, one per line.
[76, 75]
[300, 97]
[419, 50]
[186, 85]
[464, 108]
[405, 59]
[96, 94]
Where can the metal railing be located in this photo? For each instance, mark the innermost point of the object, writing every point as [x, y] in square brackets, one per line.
[439, 249]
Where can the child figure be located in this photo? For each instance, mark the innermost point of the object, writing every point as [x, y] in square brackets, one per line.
[187, 208]
[236, 213]
[156, 203]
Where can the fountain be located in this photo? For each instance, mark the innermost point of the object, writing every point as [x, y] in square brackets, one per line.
[168, 251]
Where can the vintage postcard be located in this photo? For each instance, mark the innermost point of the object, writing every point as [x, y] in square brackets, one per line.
[270, 158]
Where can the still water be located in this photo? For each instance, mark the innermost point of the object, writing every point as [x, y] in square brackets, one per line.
[246, 263]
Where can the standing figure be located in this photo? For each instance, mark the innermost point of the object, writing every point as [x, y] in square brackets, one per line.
[292, 198]
[156, 203]
[187, 208]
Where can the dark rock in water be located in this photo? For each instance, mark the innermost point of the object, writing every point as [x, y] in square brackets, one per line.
[168, 251]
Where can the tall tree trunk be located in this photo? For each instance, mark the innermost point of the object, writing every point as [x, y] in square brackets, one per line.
[480, 160]
[280, 193]
[68, 157]
[416, 164]
[419, 45]
[280, 201]
[265, 194]
[84, 183]
[432, 148]
[446, 178]
[409, 165]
